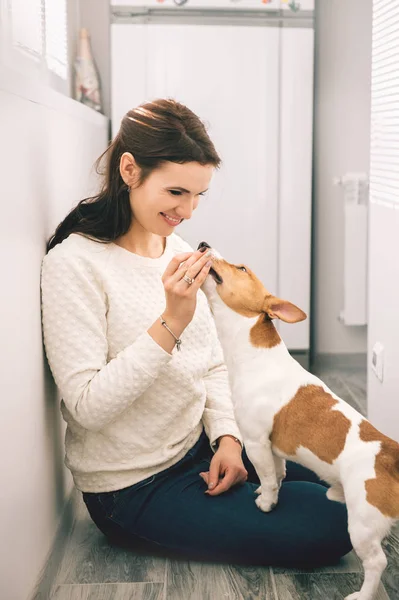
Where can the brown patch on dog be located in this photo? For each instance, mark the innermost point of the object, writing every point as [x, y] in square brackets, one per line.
[308, 421]
[264, 334]
[383, 491]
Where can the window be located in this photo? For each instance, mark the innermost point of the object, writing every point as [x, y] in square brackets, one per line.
[384, 163]
[55, 12]
[26, 26]
[34, 36]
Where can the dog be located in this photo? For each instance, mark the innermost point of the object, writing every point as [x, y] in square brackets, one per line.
[285, 412]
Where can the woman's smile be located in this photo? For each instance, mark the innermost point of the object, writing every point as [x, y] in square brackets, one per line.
[173, 221]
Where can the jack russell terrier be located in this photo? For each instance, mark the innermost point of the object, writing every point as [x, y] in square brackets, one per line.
[285, 412]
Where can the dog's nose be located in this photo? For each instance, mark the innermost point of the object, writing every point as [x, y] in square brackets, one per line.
[203, 245]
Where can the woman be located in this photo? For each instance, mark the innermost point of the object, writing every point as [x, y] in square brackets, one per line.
[151, 439]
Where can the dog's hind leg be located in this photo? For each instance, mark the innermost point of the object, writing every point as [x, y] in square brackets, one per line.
[367, 528]
[261, 456]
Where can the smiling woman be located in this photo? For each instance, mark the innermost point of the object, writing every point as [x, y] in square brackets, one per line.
[161, 148]
[151, 434]
[158, 204]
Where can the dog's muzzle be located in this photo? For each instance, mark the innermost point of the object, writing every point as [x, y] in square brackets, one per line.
[212, 271]
[203, 245]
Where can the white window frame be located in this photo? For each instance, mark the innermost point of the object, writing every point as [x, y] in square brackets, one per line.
[26, 62]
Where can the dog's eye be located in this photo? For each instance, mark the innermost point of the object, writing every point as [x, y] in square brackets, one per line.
[242, 269]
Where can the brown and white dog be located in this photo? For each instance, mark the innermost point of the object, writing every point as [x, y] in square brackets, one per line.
[285, 412]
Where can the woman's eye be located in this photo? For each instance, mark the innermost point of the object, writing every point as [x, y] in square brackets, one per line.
[242, 269]
[179, 193]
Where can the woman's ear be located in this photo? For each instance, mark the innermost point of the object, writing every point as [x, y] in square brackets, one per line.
[283, 310]
[128, 168]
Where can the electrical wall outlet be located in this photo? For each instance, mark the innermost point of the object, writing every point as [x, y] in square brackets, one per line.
[377, 360]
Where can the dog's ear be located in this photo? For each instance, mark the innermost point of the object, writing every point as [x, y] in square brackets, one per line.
[277, 308]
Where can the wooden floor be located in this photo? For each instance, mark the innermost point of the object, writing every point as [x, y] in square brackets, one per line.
[92, 569]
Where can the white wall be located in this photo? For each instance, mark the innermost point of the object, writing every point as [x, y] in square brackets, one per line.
[383, 397]
[383, 277]
[342, 141]
[48, 145]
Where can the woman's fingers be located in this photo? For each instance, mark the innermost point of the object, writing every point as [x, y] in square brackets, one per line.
[191, 267]
[202, 275]
[175, 262]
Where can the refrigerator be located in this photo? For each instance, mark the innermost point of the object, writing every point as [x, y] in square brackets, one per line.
[245, 67]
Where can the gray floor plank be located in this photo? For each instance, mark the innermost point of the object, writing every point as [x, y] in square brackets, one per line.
[49, 572]
[359, 395]
[190, 580]
[349, 563]
[326, 586]
[110, 591]
[357, 381]
[390, 576]
[90, 558]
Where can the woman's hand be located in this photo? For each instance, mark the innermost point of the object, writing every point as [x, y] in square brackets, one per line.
[226, 468]
[181, 297]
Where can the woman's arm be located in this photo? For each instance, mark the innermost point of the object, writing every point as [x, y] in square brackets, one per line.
[74, 329]
[218, 417]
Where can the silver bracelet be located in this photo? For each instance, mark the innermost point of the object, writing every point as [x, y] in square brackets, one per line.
[177, 340]
[231, 436]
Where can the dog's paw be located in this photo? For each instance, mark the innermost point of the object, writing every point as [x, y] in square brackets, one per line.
[354, 596]
[266, 502]
[258, 490]
[336, 493]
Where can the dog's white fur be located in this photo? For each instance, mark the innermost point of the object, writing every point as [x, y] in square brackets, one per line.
[262, 381]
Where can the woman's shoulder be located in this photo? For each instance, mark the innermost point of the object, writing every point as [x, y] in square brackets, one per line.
[78, 244]
[79, 252]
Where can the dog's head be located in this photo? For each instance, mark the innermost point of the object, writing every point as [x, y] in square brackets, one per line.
[239, 289]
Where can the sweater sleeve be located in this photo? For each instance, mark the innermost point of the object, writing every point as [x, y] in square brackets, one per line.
[74, 326]
[218, 417]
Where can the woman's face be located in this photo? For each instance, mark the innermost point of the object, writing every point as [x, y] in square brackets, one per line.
[168, 196]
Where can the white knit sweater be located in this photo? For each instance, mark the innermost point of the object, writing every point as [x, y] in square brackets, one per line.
[132, 409]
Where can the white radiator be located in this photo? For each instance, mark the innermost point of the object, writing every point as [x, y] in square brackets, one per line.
[356, 191]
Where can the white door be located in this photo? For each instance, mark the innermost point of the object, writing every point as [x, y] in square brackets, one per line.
[253, 86]
[229, 76]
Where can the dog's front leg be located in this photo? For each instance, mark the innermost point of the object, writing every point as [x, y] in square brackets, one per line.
[261, 456]
[279, 464]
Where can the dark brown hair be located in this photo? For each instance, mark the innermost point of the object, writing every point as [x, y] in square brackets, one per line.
[154, 132]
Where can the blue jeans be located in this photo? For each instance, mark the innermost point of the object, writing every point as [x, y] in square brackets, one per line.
[169, 514]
